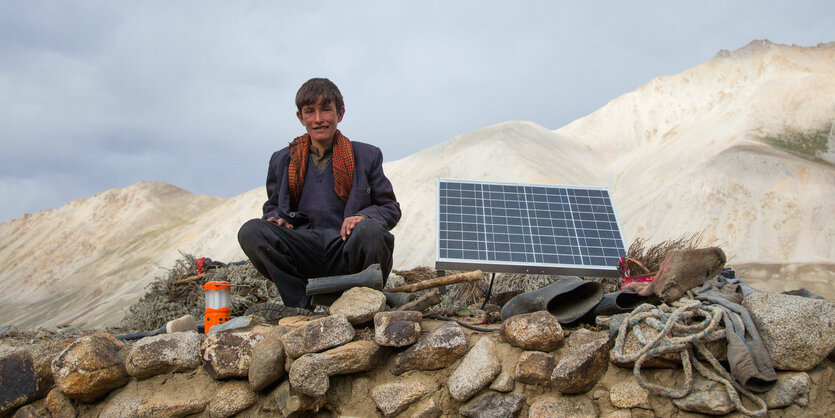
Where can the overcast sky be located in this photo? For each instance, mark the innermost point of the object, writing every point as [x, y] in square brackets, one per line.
[98, 95]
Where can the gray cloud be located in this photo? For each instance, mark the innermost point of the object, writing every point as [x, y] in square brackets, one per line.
[97, 95]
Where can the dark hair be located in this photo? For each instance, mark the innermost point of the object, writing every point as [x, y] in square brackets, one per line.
[314, 88]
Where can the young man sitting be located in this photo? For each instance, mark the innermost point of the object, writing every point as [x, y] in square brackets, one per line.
[329, 205]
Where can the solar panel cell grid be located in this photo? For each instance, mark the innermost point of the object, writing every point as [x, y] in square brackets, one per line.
[530, 224]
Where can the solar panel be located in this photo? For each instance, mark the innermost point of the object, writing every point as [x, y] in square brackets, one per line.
[527, 228]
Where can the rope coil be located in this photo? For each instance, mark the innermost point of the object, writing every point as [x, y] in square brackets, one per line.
[681, 327]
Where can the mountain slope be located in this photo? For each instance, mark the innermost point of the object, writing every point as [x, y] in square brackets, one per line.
[736, 147]
[85, 262]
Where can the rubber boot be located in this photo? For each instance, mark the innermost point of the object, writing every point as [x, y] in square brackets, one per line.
[397, 299]
[622, 301]
[371, 277]
[568, 299]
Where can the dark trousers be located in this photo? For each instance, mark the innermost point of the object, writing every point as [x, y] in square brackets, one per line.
[289, 257]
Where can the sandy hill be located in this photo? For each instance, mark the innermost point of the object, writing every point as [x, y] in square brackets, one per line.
[739, 147]
[86, 261]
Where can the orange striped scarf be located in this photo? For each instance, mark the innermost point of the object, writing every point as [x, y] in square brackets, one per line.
[343, 167]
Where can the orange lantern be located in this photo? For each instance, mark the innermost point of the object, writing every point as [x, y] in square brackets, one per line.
[218, 296]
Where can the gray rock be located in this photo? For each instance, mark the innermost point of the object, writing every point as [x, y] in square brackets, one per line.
[707, 397]
[798, 332]
[494, 405]
[292, 403]
[394, 281]
[59, 405]
[538, 331]
[231, 398]
[127, 405]
[567, 407]
[633, 345]
[434, 351]
[397, 329]
[317, 335]
[165, 353]
[267, 364]
[584, 361]
[42, 355]
[478, 368]
[238, 324]
[629, 395]
[394, 398]
[504, 383]
[309, 373]
[427, 409]
[28, 411]
[359, 304]
[534, 368]
[18, 380]
[228, 354]
[91, 367]
[791, 388]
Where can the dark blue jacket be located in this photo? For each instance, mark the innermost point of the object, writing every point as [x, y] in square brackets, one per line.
[371, 193]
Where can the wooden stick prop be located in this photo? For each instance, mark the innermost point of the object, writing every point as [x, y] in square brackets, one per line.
[420, 304]
[440, 281]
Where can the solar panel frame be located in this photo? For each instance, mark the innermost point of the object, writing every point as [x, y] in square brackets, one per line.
[516, 228]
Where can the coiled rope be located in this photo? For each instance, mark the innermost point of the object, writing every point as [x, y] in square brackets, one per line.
[685, 325]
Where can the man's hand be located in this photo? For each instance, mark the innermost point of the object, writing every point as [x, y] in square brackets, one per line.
[349, 224]
[282, 222]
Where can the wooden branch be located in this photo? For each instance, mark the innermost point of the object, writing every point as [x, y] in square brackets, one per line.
[420, 304]
[440, 281]
[187, 279]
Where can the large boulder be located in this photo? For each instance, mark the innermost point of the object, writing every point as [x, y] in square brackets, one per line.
[494, 405]
[538, 331]
[478, 368]
[629, 395]
[397, 329]
[317, 335]
[229, 354]
[18, 380]
[567, 407]
[359, 304]
[231, 398]
[584, 361]
[534, 368]
[267, 360]
[707, 397]
[309, 374]
[42, 355]
[291, 403]
[798, 332]
[633, 345]
[503, 383]
[165, 353]
[172, 395]
[434, 351]
[59, 405]
[91, 367]
[791, 388]
[394, 398]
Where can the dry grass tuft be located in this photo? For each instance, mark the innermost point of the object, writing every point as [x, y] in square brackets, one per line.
[417, 274]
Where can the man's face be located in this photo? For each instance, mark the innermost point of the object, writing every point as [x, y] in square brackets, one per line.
[320, 120]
